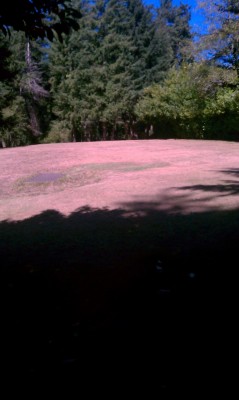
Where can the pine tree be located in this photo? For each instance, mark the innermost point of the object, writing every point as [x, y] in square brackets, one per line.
[221, 42]
[98, 73]
[32, 90]
[73, 70]
[14, 129]
[22, 92]
[133, 53]
[174, 20]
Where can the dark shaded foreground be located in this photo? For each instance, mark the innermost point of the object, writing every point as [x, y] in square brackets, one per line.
[117, 297]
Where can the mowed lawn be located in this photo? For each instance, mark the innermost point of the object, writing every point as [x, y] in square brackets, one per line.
[111, 246]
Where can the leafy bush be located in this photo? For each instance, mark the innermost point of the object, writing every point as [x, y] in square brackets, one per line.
[59, 133]
[195, 101]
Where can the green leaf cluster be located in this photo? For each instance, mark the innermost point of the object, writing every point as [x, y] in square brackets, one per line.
[194, 101]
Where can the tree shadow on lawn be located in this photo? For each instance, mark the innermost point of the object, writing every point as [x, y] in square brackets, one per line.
[137, 285]
[231, 171]
[224, 189]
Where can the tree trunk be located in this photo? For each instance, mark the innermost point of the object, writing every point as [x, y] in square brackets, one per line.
[87, 132]
[132, 133]
[112, 136]
[3, 144]
[127, 130]
[235, 58]
[73, 132]
[104, 131]
[151, 130]
[28, 55]
[33, 119]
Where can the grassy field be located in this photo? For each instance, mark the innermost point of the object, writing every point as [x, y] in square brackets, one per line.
[122, 251]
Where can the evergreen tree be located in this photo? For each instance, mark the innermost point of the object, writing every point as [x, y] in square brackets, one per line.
[98, 73]
[73, 72]
[21, 91]
[174, 23]
[32, 90]
[117, 54]
[14, 129]
[133, 54]
[221, 42]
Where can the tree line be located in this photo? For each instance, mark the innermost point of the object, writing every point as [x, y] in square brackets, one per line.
[127, 71]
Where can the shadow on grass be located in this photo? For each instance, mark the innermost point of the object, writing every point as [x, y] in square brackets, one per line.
[224, 189]
[231, 171]
[137, 286]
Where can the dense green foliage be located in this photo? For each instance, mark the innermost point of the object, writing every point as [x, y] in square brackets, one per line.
[195, 101]
[98, 73]
[200, 97]
[128, 72]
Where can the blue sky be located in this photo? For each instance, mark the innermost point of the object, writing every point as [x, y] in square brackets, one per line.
[196, 20]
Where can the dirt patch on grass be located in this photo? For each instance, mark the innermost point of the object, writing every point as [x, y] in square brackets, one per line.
[51, 182]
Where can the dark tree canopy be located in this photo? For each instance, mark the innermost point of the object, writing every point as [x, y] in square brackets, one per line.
[38, 18]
